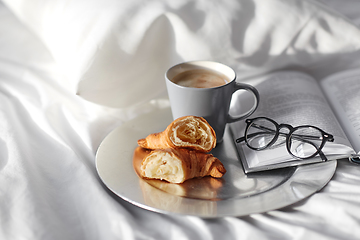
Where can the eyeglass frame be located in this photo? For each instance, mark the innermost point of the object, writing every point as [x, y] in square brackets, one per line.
[326, 137]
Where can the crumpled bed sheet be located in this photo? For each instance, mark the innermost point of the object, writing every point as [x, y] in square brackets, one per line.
[72, 71]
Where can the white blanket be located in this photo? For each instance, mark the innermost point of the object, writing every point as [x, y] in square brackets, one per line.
[72, 71]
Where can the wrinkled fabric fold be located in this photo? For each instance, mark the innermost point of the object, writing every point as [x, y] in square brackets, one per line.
[115, 53]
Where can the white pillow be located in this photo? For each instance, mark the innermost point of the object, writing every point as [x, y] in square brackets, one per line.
[116, 52]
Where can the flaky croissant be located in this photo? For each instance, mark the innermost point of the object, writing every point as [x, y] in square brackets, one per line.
[178, 165]
[185, 132]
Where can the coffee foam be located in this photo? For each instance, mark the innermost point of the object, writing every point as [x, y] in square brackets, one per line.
[200, 78]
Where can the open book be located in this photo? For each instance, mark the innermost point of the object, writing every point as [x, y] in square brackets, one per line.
[295, 98]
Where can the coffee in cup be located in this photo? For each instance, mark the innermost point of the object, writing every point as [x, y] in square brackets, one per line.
[200, 78]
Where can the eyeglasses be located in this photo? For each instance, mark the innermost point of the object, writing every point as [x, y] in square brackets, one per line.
[302, 142]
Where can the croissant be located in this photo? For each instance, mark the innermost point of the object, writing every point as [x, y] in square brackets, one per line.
[178, 165]
[185, 132]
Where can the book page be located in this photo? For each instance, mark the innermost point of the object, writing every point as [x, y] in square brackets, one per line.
[293, 98]
[343, 93]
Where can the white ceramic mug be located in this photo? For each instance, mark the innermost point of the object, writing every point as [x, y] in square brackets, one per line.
[212, 102]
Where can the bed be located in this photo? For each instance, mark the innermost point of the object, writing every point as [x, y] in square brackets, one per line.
[72, 72]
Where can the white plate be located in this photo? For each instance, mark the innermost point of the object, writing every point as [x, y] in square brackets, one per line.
[236, 194]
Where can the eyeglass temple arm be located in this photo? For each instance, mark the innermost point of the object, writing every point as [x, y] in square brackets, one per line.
[240, 139]
[330, 138]
[354, 158]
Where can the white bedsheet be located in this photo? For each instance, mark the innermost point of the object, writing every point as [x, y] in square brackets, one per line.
[72, 71]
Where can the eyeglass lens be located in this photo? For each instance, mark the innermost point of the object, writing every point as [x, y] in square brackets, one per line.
[305, 141]
[260, 133]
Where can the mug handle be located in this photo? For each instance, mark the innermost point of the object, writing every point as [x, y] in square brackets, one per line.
[254, 91]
